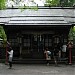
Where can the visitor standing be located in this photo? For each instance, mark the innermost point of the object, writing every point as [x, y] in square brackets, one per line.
[10, 52]
[47, 55]
[64, 47]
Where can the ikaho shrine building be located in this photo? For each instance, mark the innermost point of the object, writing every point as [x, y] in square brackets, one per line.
[31, 31]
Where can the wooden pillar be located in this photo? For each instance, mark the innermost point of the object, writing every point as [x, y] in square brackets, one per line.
[70, 56]
[6, 62]
[20, 44]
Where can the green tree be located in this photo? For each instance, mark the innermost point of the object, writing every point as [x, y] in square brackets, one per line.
[2, 4]
[70, 36]
[67, 3]
[52, 2]
[55, 2]
[3, 35]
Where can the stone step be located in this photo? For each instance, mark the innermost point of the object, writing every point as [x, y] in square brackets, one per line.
[36, 61]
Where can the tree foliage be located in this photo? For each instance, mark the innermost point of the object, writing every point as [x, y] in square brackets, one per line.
[52, 2]
[71, 35]
[2, 34]
[64, 3]
[2, 4]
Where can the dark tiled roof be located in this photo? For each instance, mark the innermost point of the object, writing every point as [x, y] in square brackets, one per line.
[39, 17]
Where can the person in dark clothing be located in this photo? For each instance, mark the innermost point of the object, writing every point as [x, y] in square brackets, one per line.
[55, 53]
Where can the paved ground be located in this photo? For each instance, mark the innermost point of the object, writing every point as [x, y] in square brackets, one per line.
[37, 69]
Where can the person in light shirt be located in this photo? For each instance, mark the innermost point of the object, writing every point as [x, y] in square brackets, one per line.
[47, 55]
[64, 49]
[10, 52]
